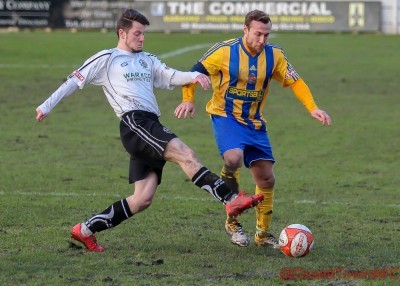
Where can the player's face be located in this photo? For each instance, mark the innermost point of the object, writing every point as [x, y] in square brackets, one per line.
[256, 35]
[133, 39]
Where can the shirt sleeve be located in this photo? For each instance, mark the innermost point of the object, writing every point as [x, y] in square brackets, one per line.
[183, 78]
[288, 76]
[167, 78]
[188, 92]
[88, 73]
[303, 94]
[209, 64]
[92, 70]
[212, 60]
[284, 71]
[162, 73]
[66, 89]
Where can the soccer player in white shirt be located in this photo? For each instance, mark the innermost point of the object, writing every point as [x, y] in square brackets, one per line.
[128, 77]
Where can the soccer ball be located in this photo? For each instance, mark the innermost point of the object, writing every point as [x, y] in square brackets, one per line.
[296, 240]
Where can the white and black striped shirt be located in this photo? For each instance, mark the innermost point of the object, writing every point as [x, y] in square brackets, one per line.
[128, 80]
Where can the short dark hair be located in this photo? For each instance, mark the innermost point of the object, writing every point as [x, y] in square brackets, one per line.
[128, 17]
[256, 15]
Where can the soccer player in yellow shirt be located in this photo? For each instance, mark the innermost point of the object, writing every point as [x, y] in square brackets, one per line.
[241, 70]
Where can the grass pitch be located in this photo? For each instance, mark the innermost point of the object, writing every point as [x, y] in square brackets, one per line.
[340, 181]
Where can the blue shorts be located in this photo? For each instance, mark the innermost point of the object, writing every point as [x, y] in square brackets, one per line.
[230, 134]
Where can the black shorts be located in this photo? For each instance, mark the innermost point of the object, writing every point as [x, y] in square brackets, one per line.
[145, 139]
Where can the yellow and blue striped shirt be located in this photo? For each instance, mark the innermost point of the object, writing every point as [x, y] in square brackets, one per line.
[241, 81]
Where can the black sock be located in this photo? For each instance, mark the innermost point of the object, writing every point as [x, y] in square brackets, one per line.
[110, 217]
[213, 184]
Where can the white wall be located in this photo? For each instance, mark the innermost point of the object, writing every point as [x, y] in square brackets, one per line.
[390, 16]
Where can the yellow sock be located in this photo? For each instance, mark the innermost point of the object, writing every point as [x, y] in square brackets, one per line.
[231, 177]
[264, 209]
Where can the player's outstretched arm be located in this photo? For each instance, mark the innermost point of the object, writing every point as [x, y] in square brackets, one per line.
[321, 116]
[203, 80]
[187, 105]
[40, 115]
[303, 94]
[66, 89]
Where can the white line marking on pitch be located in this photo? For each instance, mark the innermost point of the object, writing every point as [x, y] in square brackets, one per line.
[182, 198]
[184, 50]
[161, 56]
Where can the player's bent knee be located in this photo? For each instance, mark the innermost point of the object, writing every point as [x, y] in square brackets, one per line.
[266, 183]
[145, 204]
[234, 164]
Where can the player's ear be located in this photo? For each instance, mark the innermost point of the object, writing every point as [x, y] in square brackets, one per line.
[245, 30]
[121, 34]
